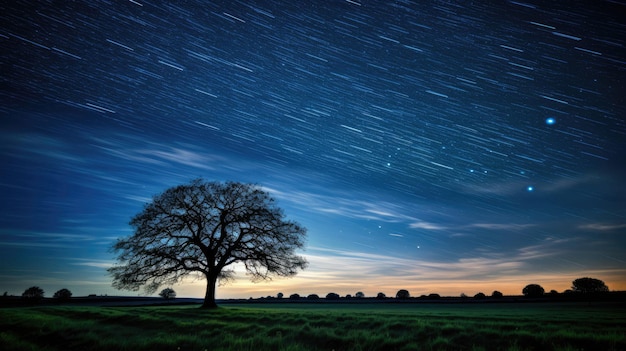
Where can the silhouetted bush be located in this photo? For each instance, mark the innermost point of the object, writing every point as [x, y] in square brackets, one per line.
[434, 296]
[496, 294]
[294, 297]
[33, 294]
[168, 293]
[332, 296]
[589, 285]
[279, 295]
[63, 294]
[480, 296]
[313, 297]
[403, 294]
[533, 290]
[359, 295]
[381, 296]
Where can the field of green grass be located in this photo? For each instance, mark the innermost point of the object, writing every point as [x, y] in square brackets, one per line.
[318, 326]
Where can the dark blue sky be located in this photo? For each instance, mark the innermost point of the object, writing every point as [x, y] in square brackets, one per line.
[437, 146]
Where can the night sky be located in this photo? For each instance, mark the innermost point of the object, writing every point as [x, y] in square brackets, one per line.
[437, 146]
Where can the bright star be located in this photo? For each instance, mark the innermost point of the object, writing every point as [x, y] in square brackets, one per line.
[530, 188]
[550, 121]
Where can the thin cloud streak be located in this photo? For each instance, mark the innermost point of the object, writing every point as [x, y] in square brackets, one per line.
[602, 226]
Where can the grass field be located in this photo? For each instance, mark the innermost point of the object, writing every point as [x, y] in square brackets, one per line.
[318, 326]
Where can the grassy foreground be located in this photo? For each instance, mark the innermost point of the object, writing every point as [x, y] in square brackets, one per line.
[521, 326]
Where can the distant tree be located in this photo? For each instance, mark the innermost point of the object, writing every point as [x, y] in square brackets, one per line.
[313, 297]
[434, 296]
[553, 293]
[381, 296]
[63, 294]
[201, 229]
[279, 295]
[6, 294]
[168, 293]
[294, 297]
[332, 296]
[463, 296]
[33, 294]
[533, 290]
[348, 296]
[403, 294]
[359, 295]
[496, 294]
[480, 296]
[589, 285]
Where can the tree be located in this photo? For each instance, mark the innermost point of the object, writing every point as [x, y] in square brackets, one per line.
[381, 296]
[201, 229]
[496, 294]
[33, 294]
[63, 294]
[533, 290]
[168, 293]
[480, 296]
[402, 294]
[589, 285]
[332, 296]
[359, 295]
[279, 295]
[313, 297]
[294, 297]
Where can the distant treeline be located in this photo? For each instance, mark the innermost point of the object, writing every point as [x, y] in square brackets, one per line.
[17, 301]
[603, 296]
[583, 289]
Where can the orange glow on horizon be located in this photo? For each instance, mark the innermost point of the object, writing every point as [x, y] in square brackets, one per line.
[508, 286]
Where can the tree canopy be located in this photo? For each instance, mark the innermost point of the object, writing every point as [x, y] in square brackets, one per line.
[496, 294]
[589, 285]
[168, 293]
[202, 229]
[403, 294]
[33, 294]
[533, 290]
[63, 294]
[332, 296]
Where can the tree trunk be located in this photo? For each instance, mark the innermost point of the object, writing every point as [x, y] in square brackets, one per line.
[209, 296]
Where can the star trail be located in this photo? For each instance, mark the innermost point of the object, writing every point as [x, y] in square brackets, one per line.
[440, 147]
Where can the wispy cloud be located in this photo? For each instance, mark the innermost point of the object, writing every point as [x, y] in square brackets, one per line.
[185, 157]
[500, 226]
[426, 225]
[602, 226]
[94, 263]
[34, 239]
[515, 186]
